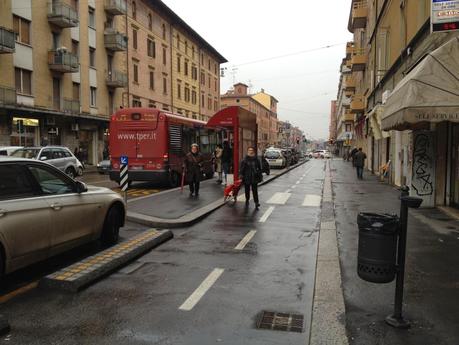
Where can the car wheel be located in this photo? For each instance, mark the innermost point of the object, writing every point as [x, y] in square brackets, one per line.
[112, 224]
[80, 171]
[70, 172]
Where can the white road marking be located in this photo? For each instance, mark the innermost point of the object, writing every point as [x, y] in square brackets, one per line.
[245, 240]
[288, 191]
[297, 182]
[279, 198]
[293, 187]
[312, 200]
[202, 289]
[267, 214]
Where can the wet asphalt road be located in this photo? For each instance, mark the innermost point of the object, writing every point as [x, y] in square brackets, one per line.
[220, 290]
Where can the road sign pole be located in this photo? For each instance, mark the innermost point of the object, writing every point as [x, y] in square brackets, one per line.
[124, 176]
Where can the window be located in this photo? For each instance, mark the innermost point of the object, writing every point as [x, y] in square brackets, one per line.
[50, 182]
[178, 41]
[187, 94]
[134, 10]
[203, 78]
[186, 47]
[185, 67]
[76, 91]
[164, 31]
[215, 105]
[56, 40]
[151, 104]
[75, 48]
[92, 18]
[14, 183]
[92, 96]
[203, 100]
[209, 103]
[92, 57]
[136, 72]
[134, 38]
[21, 29]
[216, 84]
[23, 81]
[208, 78]
[165, 85]
[151, 48]
[152, 80]
[208, 63]
[164, 56]
[150, 21]
[179, 90]
[179, 62]
[136, 103]
[193, 96]
[202, 59]
[192, 52]
[194, 73]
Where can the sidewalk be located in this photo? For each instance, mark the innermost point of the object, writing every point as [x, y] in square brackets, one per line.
[432, 278]
[172, 208]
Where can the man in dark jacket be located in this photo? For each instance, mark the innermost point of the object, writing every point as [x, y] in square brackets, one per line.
[227, 155]
[251, 174]
[359, 162]
[193, 165]
[352, 155]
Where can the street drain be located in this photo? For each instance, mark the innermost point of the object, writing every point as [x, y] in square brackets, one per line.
[281, 322]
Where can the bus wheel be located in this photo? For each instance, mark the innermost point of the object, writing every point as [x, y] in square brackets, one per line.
[174, 179]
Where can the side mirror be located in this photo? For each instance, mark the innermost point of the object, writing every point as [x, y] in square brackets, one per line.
[43, 158]
[81, 187]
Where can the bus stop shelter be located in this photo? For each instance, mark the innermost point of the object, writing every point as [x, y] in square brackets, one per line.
[242, 125]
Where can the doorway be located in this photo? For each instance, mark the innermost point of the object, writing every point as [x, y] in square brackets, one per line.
[455, 167]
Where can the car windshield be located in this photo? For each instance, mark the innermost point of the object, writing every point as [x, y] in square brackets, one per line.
[272, 154]
[26, 153]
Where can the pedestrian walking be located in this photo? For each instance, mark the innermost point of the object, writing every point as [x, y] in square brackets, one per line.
[250, 173]
[193, 169]
[226, 160]
[218, 162]
[359, 162]
[352, 155]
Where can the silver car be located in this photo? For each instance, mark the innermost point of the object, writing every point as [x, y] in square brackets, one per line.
[59, 156]
[44, 212]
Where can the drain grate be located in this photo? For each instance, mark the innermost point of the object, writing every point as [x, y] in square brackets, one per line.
[281, 322]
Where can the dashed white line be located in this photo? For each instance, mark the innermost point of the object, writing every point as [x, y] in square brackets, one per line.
[288, 191]
[312, 200]
[293, 187]
[279, 198]
[245, 240]
[201, 290]
[297, 182]
[267, 214]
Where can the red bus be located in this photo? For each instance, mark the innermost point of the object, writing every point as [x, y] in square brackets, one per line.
[156, 143]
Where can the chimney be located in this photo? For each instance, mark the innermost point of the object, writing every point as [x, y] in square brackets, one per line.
[240, 89]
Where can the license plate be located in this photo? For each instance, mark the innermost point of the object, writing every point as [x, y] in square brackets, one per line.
[137, 167]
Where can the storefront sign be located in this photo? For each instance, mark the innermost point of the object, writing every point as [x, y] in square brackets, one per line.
[445, 15]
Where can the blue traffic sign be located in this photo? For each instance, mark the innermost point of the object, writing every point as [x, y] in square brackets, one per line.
[124, 160]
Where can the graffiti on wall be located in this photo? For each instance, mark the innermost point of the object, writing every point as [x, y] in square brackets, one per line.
[423, 166]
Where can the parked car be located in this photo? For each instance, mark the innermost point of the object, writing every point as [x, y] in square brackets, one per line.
[275, 158]
[295, 155]
[8, 150]
[103, 167]
[317, 154]
[326, 154]
[45, 212]
[59, 156]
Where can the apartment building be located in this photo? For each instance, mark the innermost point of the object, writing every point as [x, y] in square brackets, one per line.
[333, 123]
[239, 96]
[171, 67]
[270, 102]
[403, 85]
[63, 76]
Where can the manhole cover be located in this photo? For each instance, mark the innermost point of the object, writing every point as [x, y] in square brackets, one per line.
[281, 322]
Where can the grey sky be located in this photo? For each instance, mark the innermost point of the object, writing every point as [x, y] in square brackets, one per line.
[252, 30]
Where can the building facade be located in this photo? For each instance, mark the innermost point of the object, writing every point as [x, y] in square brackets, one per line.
[402, 83]
[333, 123]
[67, 65]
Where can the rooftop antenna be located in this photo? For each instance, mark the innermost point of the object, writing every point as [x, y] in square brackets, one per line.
[234, 70]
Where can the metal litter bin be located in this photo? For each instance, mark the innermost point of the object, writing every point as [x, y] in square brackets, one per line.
[377, 251]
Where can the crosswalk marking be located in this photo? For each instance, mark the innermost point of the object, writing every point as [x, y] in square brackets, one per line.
[202, 289]
[279, 198]
[312, 200]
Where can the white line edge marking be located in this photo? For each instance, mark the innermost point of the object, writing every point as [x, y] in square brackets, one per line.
[297, 182]
[267, 214]
[245, 240]
[202, 289]
[293, 187]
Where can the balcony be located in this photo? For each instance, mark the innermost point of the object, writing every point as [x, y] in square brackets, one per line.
[7, 40]
[349, 49]
[359, 59]
[62, 61]
[62, 15]
[7, 95]
[348, 117]
[349, 83]
[359, 14]
[349, 93]
[71, 106]
[357, 104]
[116, 79]
[116, 7]
[115, 41]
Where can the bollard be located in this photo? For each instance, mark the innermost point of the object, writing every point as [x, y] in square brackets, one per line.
[396, 319]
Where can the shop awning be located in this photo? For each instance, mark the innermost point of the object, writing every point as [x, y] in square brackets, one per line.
[429, 93]
[374, 118]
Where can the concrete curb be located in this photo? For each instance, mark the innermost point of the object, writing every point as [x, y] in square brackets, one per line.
[81, 274]
[194, 216]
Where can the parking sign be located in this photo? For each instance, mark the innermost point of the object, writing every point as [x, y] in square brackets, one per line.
[124, 160]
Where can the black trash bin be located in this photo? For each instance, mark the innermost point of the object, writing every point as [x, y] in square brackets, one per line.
[377, 247]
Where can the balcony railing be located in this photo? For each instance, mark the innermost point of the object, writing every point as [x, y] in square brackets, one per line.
[115, 41]
[62, 15]
[71, 106]
[62, 61]
[116, 7]
[359, 59]
[7, 40]
[7, 95]
[349, 49]
[357, 104]
[349, 83]
[348, 117]
[116, 79]
[359, 14]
